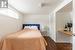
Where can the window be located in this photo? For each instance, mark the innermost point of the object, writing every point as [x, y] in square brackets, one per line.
[9, 13]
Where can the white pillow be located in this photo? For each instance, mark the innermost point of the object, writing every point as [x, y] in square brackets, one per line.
[34, 27]
[27, 27]
[31, 27]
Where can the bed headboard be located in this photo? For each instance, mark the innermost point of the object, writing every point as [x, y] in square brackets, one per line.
[38, 25]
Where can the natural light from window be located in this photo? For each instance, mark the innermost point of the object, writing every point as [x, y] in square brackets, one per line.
[9, 13]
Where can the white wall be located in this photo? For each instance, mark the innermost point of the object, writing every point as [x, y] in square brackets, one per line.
[52, 24]
[73, 24]
[9, 25]
[43, 20]
[74, 16]
[73, 43]
[61, 20]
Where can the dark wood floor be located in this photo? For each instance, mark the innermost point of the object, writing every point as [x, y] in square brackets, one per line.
[64, 46]
[57, 46]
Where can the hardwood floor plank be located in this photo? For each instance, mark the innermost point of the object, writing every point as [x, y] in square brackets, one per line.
[57, 46]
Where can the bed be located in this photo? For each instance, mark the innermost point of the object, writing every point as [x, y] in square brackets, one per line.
[26, 39]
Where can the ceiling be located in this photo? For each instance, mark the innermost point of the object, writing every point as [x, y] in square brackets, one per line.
[67, 8]
[34, 6]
